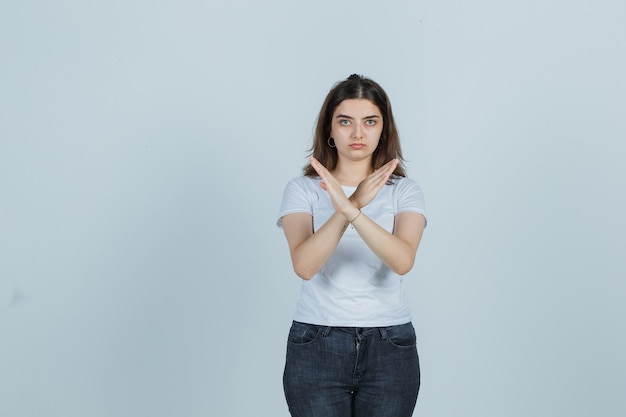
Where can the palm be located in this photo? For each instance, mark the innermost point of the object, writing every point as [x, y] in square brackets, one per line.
[365, 192]
[368, 188]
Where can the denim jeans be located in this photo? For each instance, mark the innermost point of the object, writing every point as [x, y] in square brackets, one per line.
[351, 371]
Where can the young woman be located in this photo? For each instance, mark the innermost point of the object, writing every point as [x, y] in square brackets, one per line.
[353, 223]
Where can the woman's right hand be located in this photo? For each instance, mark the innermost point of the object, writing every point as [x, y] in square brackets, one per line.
[368, 188]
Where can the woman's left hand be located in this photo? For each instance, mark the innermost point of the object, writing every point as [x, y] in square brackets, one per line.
[368, 188]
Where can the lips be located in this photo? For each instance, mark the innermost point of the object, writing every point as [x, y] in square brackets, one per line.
[357, 146]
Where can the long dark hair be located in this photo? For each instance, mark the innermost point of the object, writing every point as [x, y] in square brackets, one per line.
[356, 86]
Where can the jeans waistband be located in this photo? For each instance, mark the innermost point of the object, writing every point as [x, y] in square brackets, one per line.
[357, 331]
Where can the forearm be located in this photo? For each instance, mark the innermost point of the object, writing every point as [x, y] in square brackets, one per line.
[309, 257]
[398, 254]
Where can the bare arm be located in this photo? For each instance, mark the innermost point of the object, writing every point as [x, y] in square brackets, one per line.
[308, 250]
[397, 250]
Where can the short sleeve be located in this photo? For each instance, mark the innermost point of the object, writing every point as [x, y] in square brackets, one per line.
[296, 199]
[410, 197]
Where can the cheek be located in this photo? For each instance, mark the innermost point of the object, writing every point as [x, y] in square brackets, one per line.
[377, 133]
[337, 132]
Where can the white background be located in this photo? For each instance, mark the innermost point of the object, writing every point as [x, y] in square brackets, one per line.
[144, 147]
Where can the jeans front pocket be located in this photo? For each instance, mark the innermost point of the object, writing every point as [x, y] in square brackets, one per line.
[402, 335]
[303, 333]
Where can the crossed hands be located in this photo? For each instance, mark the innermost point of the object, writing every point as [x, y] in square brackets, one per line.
[365, 192]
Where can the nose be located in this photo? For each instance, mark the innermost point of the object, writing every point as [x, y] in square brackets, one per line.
[358, 134]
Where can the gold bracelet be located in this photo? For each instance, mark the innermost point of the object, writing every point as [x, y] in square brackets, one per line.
[355, 217]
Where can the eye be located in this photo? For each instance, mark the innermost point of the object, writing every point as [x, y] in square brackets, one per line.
[344, 122]
[370, 122]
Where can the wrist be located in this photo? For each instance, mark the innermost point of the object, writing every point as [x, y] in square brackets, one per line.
[355, 203]
[353, 217]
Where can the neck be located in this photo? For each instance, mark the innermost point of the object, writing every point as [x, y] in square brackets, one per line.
[351, 173]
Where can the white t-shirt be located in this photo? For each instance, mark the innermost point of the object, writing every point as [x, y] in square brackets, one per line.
[354, 288]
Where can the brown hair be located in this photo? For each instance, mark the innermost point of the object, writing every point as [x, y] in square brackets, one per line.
[353, 87]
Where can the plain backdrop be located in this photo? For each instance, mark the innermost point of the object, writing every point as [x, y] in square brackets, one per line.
[144, 147]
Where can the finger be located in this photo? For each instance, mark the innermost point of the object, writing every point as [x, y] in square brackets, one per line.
[389, 168]
[386, 172]
[387, 164]
[324, 173]
[328, 181]
[317, 163]
[319, 168]
[391, 165]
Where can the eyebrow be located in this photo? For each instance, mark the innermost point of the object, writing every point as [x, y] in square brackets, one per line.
[345, 116]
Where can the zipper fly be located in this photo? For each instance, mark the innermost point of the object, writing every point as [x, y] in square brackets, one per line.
[356, 373]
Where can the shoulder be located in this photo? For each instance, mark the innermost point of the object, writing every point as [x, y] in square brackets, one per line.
[408, 195]
[302, 184]
[302, 187]
[300, 196]
[303, 181]
[404, 184]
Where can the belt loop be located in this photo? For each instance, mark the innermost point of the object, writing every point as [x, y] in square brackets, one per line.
[383, 333]
[325, 331]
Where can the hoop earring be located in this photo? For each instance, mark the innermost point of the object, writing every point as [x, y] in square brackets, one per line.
[328, 141]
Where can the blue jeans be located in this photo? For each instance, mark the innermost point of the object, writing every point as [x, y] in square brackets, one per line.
[351, 371]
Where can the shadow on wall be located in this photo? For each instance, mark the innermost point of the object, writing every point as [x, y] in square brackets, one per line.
[11, 297]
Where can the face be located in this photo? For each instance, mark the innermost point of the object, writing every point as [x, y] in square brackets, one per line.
[356, 127]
